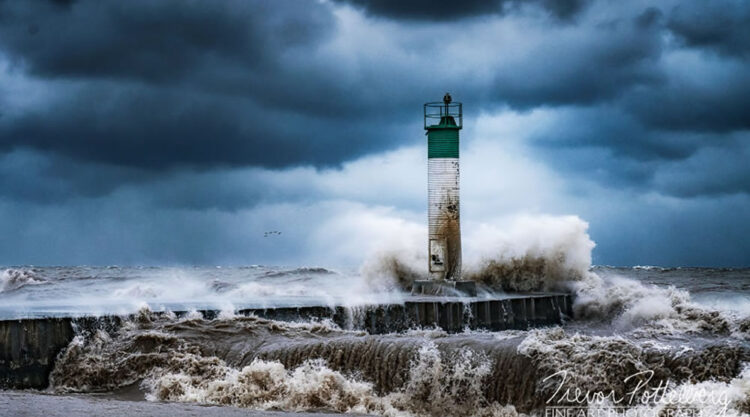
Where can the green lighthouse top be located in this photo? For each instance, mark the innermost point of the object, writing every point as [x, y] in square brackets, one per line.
[443, 115]
[442, 121]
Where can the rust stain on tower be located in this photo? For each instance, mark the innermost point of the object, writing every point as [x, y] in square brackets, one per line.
[449, 231]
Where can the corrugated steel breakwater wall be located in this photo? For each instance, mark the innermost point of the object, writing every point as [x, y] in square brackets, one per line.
[29, 347]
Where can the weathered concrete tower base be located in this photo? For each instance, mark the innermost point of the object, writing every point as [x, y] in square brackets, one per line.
[445, 288]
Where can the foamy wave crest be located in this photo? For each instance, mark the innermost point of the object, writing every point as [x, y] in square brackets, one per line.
[299, 271]
[629, 304]
[138, 292]
[440, 385]
[13, 279]
[649, 268]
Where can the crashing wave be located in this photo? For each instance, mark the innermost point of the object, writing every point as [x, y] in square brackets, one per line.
[548, 253]
[649, 268]
[13, 279]
[184, 360]
[435, 386]
[541, 253]
[528, 254]
[262, 364]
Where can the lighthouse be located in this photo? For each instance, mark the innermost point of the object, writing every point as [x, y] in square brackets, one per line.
[442, 121]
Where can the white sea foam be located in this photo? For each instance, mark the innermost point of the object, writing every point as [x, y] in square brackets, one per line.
[436, 385]
[521, 253]
[13, 279]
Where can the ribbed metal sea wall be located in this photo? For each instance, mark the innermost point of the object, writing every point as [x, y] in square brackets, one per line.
[29, 347]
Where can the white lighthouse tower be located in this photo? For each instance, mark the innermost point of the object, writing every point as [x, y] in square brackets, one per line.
[442, 121]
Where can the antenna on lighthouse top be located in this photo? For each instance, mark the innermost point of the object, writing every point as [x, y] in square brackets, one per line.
[447, 100]
[443, 114]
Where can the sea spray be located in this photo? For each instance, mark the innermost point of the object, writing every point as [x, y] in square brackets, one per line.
[541, 253]
[13, 279]
[520, 254]
[552, 253]
[122, 290]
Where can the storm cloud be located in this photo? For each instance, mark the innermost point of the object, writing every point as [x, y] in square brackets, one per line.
[177, 110]
[447, 10]
[722, 26]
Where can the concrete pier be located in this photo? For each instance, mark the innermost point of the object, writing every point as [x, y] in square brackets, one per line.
[28, 347]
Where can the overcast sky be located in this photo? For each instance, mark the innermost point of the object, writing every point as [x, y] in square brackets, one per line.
[178, 132]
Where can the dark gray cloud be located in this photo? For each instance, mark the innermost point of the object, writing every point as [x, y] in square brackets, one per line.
[612, 148]
[51, 179]
[451, 10]
[593, 66]
[717, 170]
[159, 84]
[722, 25]
[139, 126]
[247, 83]
[643, 136]
[165, 106]
[714, 101]
[160, 42]
[645, 231]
